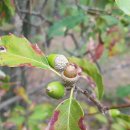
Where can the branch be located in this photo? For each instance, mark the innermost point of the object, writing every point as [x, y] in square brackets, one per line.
[74, 39]
[118, 106]
[37, 14]
[69, 52]
[43, 5]
[91, 10]
[100, 107]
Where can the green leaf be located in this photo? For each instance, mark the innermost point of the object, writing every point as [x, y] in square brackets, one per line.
[124, 5]
[123, 91]
[91, 70]
[34, 127]
[41, 112]
[110, 20]
[7, 11]
[59, 27]
[124, 117]
[19, 120]
[101, 118]
[5, 86]
[17, 51]
[10, 6]
[67, 116]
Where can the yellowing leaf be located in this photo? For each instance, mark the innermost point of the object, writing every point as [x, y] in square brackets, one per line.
[22, 93]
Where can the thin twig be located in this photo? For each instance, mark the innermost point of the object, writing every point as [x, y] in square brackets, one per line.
[118, 106]
[93, 10]
[69, 52]
[74, 40]
[43, 6]
[37, 14]
[100, 107]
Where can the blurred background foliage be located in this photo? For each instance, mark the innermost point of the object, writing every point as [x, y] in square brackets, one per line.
[88, 29]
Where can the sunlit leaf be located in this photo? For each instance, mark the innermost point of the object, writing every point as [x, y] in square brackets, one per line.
[91, 70]
[17, 51]
[67, 116]
[124, 5]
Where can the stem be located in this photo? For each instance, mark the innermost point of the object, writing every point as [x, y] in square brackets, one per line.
[97, 103]
[71, 93]
[55, 72]
[118, 106]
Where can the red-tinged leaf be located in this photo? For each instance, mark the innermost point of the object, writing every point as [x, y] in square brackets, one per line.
[67, 116]
[53, 120]
[99, 51]
[81, 124]
[37, 49]
[17, 51]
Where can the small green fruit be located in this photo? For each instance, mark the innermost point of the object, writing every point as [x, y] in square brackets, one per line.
[114, 112]
[57, 61]
[55, 90]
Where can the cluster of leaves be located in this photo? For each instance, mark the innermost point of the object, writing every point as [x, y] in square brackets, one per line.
[106, 20]
[17, 51]
[11, 54]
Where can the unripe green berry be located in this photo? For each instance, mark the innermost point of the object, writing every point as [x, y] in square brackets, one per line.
[55, 90]
[114, 112]
[57, 61]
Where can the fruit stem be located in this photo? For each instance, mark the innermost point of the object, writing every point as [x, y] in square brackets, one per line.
[55, 72]
[71, 93]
